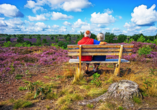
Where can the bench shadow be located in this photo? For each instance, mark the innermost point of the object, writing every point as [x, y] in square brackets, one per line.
[125, 71]
[101, 71]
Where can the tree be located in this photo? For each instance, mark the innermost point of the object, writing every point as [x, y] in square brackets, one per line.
[38, 42]
[52, 38]
[44, 40]
[7, 38]
[30, 37]
[136, 36]
[56, 40]
[20, 39]
[93, 36]
[121, 38]
[109, 37]
[141, 39]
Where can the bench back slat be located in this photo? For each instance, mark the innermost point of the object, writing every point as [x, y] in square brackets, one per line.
[102, 46]
[100, 50]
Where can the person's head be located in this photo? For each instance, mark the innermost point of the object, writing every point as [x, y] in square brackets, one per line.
[87, 33]
[101, 37]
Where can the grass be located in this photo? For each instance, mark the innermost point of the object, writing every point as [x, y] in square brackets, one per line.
[46, 77]
[96, 92]
[137, 100]
[110, 66]
[90, 105]
[18, 76]
[22, 88]
[66, 94]
[21, 104]
[107, 106]
[120, 108]
[48, 107]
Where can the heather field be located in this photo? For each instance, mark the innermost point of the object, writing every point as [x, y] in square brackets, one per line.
[40, 78]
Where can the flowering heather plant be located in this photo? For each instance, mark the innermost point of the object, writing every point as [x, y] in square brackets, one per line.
[14, 56]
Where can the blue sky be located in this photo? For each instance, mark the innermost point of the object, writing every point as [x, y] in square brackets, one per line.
[72, 16]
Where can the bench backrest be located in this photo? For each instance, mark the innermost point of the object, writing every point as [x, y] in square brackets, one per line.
[109, 49]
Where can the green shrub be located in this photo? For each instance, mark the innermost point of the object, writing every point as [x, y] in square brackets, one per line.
[62, 44]
[19, 45]
[95, 80]
[144, 50]
[56, 40]
[141, 39]
[7, 44]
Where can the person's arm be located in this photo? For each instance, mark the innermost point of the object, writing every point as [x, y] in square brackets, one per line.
[103, 43]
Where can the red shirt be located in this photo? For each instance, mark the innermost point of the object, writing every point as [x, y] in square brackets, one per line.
[86, 41]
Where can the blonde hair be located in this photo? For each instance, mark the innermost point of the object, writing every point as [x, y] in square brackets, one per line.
[101, 37]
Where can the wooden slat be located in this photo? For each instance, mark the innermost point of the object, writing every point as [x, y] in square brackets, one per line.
[106, 61]
[91, 54]
[102, 46]
[97, 54]
[100, 50]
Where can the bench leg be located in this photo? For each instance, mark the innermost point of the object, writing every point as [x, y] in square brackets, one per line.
[77, 74]
[117, 70]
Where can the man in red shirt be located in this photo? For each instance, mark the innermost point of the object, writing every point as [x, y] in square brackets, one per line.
[86, 40]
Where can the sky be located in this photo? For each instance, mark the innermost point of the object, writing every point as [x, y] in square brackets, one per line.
[74, 16]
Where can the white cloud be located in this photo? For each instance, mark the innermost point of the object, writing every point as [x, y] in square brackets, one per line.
[101, 25]
[79, 23]
[30, 4]
[57, 15]
[2, 23]
[67, 5]
[108, 11]
[37, 18]
[86, 27]
[75, 5]
[62, 29]
[150, 31]
[72, 31]
[67, 23]
[120, 17]
[131, 26]
[116, 31]
[103, 18]
[144, 16]
[14, 22]
[55, 26]
[37, 8]
[10, 11]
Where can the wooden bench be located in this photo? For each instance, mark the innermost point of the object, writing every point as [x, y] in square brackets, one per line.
[100, 50]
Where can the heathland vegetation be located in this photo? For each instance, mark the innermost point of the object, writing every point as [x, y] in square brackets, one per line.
[35, 73]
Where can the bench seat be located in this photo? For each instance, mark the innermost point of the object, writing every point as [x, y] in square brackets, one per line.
[106, 61]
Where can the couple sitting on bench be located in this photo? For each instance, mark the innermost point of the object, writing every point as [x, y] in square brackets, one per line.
[86, 40]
